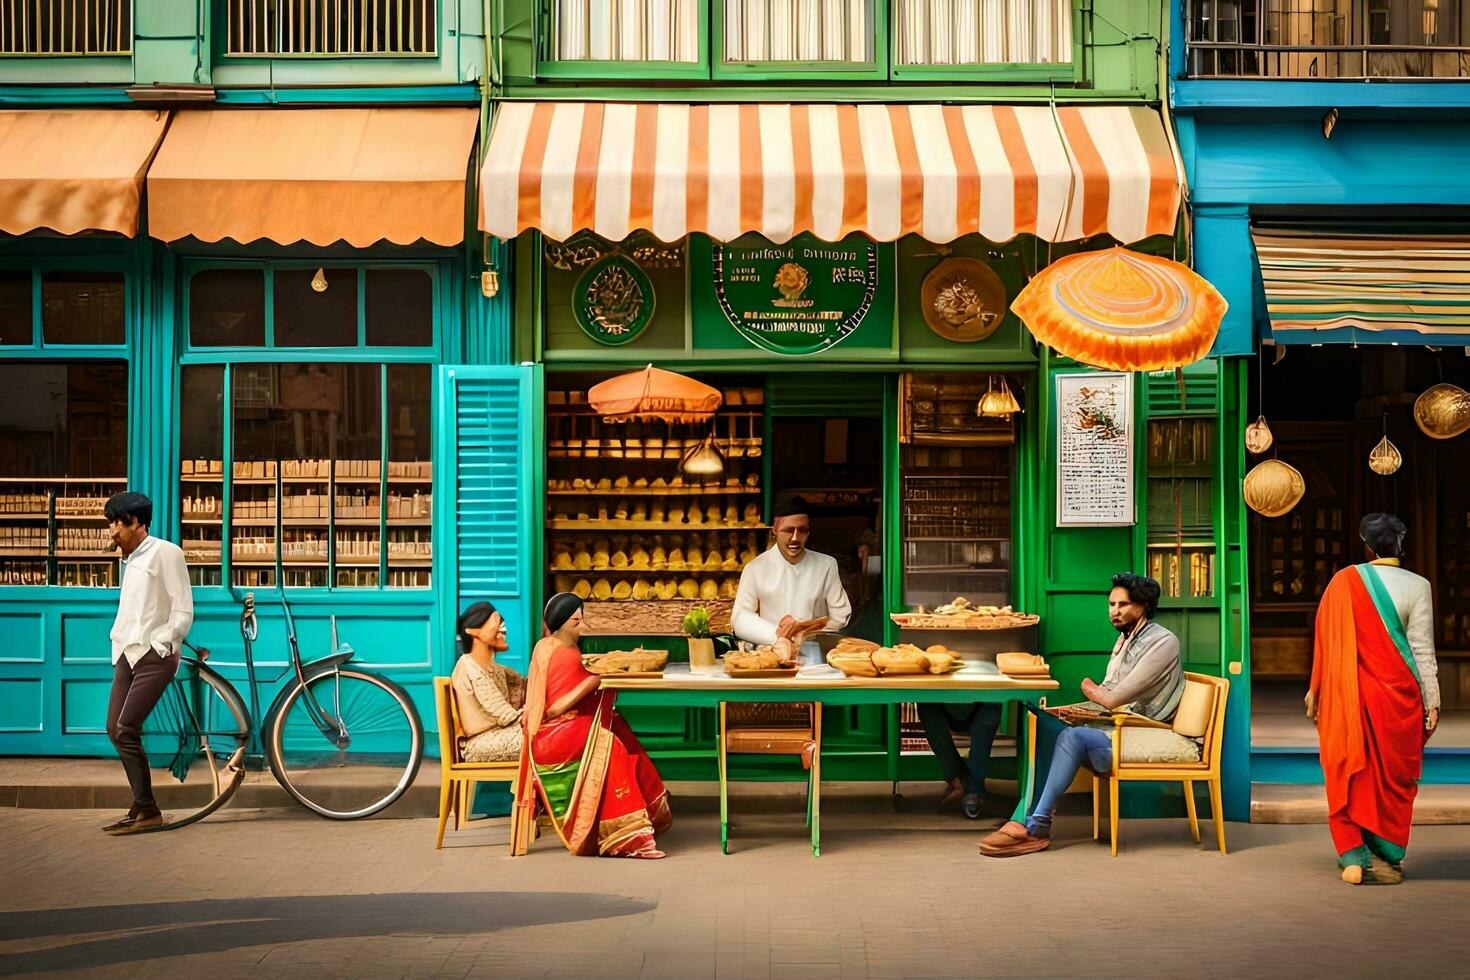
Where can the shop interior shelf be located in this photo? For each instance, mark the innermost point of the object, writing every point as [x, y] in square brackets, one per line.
[956, 570]
[417, 561]
[25, 517]
[321, 479]
[23, 553]
[63, 479]
[646, 572]
[555, 525]
[253, 521]
[97, 555]
[215, 521]
[81, 517]
[357, 561]
[962, 540]
[656, 492]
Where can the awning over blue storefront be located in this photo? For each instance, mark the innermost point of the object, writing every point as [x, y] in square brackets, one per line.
[1364, 287]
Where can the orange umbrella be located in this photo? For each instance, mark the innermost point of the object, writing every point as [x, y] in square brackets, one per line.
[1122, 310]
[654, 395]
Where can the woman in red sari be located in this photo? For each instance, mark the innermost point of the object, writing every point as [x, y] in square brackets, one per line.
[1375, 698]
[592, 777]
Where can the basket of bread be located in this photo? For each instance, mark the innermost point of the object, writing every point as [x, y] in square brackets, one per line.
[962, 614]
[863, 658]
[637, 662]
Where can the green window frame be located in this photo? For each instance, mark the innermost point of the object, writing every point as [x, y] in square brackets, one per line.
[548, 66]
[232, 359]
[80, 21]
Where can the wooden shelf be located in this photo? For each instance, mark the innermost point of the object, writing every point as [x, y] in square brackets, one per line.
[656, 492]
[63, 479]
[197, 478]
[25, 517]
[645, 572]
[97, 555]
[554, 525]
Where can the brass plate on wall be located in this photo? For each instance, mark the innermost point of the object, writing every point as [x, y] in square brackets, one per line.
[963, 300]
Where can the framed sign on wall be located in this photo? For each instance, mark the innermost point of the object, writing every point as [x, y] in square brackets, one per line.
[1094, 439]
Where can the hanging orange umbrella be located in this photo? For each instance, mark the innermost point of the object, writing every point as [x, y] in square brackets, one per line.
[1122, 310]
[654, 395]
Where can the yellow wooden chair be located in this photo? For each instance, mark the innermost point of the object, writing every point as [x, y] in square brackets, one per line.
[1201, 715]
[457, 779]
[773, 729]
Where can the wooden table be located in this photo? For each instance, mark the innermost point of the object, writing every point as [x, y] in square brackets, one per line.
[976, 681]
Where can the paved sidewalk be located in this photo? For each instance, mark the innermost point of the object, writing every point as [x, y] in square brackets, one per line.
[281, 893]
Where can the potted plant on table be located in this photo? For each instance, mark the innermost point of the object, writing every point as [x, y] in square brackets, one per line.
[701, 646]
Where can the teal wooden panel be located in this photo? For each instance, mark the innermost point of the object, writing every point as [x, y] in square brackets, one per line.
[22, 637]
[84, 638]
[383, 640]
[84, 705]
[21, 702]
[165, 19]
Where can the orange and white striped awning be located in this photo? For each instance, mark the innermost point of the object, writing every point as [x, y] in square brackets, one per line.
[938, 171]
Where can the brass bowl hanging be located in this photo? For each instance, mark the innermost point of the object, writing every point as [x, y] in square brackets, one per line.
[997, 403]
[1385, 458]
[1258, 437]
[1443, 411]
[963, 300]
[1273, 488]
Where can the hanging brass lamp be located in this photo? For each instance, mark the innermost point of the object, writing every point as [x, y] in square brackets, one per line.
[1385, 457]
[1273, 488]
[997, 403]
[1258, 437]
[704, 459]
[1443, 411]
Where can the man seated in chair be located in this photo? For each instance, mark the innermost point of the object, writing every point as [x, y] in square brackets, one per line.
[1144, 676]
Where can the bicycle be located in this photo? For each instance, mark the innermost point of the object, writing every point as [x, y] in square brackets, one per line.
[343, 742]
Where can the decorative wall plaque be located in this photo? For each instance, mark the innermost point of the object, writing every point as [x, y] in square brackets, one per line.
[963, 300]
[613, 300]
[802, 297]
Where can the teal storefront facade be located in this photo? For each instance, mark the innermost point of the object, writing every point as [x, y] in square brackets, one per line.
[1329, 201]
[283, 404]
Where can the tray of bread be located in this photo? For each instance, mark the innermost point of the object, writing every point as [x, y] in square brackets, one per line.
[1014, 664]
[863, 658]
[962, 614]
[636, 662]
[763, 661]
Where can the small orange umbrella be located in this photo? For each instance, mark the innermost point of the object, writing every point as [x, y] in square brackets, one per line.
[654, 395]
[1122, 310]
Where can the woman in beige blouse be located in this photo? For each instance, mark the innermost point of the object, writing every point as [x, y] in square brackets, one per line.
[489, 697]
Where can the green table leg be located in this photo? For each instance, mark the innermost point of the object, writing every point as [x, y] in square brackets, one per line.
[1025, 760]
[724, 789]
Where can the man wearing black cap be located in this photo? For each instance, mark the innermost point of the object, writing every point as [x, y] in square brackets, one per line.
[788, 584]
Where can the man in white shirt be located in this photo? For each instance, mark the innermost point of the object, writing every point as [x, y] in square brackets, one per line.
[787, 584]
[154, 613]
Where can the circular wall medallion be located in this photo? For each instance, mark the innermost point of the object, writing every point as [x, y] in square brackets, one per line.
[613, 300]
[963, 300]
[801, 297]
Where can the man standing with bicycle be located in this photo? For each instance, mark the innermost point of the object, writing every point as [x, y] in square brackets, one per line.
[154, 613]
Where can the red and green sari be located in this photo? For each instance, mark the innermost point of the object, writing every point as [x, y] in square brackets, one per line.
[590, 773]
[1370, 716]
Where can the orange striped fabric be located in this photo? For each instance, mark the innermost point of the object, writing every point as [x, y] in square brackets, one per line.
[937, 171]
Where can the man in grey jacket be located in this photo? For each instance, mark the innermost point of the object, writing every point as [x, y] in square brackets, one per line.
[1144, 675]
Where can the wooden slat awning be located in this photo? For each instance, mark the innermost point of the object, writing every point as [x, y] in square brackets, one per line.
[1362, 287]
[938, 171]
[75, 170]
[358, 176]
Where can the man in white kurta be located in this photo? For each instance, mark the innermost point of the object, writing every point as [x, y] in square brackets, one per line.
[788, 584]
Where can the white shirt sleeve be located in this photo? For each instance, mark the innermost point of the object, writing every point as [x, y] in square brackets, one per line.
[173, 578]
[839, 608]
[1419, 627]
[745, 620]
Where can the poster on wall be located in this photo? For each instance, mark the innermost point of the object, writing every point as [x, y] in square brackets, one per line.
[1094, 442]
[800, 297]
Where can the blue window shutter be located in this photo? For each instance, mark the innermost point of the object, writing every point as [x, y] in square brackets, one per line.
[486, 510]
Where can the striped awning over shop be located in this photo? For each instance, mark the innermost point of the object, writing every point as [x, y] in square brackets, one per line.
[1331, 286]
[938, 171]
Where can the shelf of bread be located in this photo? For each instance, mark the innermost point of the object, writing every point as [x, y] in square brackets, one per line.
[642, 486]
[652, 618]
[648, 449]
[961, 614]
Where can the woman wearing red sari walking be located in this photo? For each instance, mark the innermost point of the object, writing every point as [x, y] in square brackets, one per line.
[580, 758]
[1375, 698]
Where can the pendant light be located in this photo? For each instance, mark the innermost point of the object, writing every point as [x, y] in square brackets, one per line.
[319, 281]
[1385, 457]
[1258, 437]
[703, 460]
[997, 403]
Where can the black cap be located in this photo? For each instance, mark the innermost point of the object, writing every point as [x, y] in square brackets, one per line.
[789, 505]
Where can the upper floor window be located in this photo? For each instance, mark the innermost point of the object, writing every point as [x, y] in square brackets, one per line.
[331, 28]
[66, 27]
[806, 38]
[1329, 38]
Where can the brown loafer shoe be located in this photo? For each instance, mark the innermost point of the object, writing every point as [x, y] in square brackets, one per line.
[953, 792]
[1012, 840]
[141, 824]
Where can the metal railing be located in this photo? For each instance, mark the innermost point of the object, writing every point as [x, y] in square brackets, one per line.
[65, 27]
[1350, 39]
[331, 28]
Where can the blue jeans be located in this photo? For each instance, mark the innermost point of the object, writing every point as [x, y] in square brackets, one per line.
[982, 721]
[1062, 750]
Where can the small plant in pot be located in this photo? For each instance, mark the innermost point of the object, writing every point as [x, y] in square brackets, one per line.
[701, 646]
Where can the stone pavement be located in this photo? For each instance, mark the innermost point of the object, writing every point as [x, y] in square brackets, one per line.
[281, 893]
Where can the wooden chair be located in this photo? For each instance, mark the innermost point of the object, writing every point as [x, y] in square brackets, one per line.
[457, 778]
[1201, 714]
[773, 729]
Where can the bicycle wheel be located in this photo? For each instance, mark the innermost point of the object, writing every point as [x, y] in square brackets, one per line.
[195, 741]
[369, 767]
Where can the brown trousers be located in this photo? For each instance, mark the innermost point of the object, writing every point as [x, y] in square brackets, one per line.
[135, 690]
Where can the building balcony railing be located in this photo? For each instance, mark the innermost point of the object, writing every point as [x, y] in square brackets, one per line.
[331, 28]
[50, 28]
[1329, 39]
